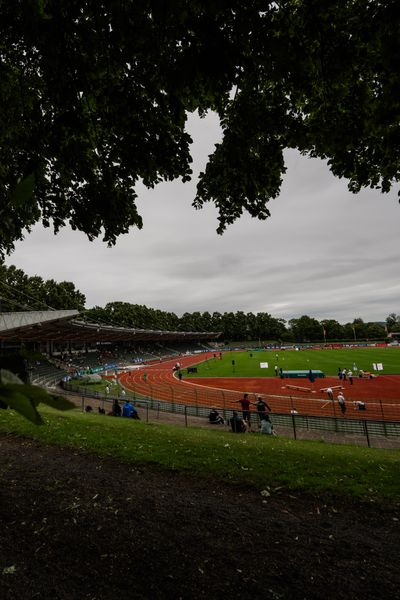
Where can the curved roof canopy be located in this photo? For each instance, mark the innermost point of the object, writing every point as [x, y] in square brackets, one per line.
[67, 325]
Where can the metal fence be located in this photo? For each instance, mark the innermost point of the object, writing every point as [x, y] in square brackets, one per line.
[375, 409]
[367, 431]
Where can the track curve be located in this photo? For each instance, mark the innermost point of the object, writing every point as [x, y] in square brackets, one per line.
[381, 395]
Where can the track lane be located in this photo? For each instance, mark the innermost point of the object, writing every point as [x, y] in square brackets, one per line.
[163, 385]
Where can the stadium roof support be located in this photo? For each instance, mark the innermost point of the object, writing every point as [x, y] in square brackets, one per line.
[17, 320]
[60, 325]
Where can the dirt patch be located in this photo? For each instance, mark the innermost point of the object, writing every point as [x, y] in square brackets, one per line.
[77, 526]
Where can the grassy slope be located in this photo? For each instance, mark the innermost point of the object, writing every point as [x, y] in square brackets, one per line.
[324, 360]
[260, 461]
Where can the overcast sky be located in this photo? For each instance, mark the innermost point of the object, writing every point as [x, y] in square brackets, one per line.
[324, 252]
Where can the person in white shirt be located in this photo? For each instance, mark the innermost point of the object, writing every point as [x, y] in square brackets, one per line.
[342, 402]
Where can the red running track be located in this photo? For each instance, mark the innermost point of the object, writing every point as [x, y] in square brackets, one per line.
[381, 394]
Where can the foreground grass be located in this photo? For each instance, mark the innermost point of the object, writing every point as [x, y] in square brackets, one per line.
[263, 462]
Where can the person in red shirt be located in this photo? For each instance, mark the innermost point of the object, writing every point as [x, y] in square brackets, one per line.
[245, 404]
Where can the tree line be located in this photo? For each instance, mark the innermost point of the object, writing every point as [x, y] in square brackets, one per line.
[19, 291]
[240, 326]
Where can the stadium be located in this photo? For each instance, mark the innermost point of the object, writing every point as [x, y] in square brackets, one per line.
[203, 448]
[116, 500]
[288, 378]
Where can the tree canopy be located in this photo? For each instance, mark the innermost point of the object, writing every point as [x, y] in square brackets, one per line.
[94, 98]
[19, 292]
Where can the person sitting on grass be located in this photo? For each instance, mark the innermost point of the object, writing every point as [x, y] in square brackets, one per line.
[116, 409]
[237, 424]
[135, 414]
[215, 418]
[129, 410]
[266, 426]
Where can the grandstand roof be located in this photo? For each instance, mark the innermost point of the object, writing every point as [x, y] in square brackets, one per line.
[67, 325]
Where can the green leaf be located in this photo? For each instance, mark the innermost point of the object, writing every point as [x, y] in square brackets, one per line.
[23, 190]
[23, 405]
[9, 377]
[35, 394]
[58, 402]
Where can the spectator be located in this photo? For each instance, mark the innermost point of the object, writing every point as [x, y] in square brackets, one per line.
[116, 408]
[245, 404]
[215, 418]
[135, 414]
[237, 424]
[127, 409]
[359, 405]
[88, 408]
[266, 426]
[342, 403]
[123, 392]
[101, 411]
[262, 408]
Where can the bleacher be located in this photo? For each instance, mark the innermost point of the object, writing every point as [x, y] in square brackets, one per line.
[179, 348]
[46, 374]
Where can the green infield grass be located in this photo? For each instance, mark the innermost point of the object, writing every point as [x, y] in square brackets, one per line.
[247, 364]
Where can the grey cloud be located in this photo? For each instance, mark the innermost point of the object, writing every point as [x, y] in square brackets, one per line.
[324, 252]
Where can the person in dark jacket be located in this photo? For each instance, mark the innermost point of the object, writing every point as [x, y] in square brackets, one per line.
[262, 408]
[237, 424]
[214, 417]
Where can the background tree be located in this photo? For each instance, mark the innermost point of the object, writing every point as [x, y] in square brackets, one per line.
[19, 292]
[306, 329]
[95, 98]
[360, 329]
[393, 322]
[228, 326]
[333, 329]
[375, 331]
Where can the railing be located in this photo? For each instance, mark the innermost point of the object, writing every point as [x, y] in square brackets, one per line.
[369, 431]
[197, 395]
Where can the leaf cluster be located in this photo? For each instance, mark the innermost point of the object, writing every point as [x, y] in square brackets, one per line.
[95, 98]
[25, 398]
